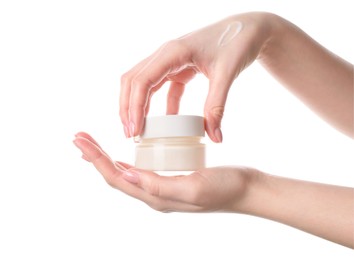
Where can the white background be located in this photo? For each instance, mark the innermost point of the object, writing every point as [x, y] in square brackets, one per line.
[60, 67]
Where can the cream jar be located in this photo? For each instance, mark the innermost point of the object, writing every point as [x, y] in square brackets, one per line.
[171, 143]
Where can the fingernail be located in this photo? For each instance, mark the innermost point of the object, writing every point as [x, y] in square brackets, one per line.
[131, 129]
[218, 135]
[126, 131]
[131, 176]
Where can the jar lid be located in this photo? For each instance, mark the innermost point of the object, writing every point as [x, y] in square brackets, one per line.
[173, 126]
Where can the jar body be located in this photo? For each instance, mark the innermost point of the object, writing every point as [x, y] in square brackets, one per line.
[170, 154]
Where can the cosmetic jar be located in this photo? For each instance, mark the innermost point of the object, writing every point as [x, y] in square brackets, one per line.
[171, 143]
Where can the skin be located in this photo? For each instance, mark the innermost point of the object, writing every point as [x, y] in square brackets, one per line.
[319, 78]
[322, 80]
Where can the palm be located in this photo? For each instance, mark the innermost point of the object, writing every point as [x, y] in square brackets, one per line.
[210, 189]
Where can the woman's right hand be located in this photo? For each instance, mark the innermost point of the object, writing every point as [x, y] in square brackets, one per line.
[219, 51]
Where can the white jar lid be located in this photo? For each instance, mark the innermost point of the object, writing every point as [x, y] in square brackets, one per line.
[173, 126]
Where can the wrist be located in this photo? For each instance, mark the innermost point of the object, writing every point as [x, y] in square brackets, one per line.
[263, 29]
[258, 194]
[275, 31]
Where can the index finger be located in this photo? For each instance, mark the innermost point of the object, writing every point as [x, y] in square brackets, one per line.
[169, 59]
[124, 96]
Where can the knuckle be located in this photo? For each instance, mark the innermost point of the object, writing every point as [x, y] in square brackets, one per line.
[172, 44]
[216, 112]
[141, 82]
[111, 181]
[111, 177]
[176, 46]
[153, 189]
[125, 79]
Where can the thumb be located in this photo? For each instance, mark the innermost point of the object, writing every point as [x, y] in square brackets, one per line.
[219, 86]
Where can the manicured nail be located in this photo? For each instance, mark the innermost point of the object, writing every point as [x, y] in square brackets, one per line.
[218, 135]
[131, 176]
[126, 131]
[131, 129]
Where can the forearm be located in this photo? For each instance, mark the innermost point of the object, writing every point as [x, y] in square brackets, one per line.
[322, 80]
[324, 210]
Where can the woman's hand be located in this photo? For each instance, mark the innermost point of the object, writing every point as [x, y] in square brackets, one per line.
[213, 189]
[219, 51]
[322, 80]
[323, 210]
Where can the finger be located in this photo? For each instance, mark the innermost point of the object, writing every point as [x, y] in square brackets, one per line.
[178, 83]
[166, 194]
[95, 155]
[124, 105]
[219, 86]
[157, 203]
[112, 173]
[169, 60]
[124, 97]
[104, 164]
[174, 188]
[152, 92]
[124, 165]
[174, 97]
[88, 137]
